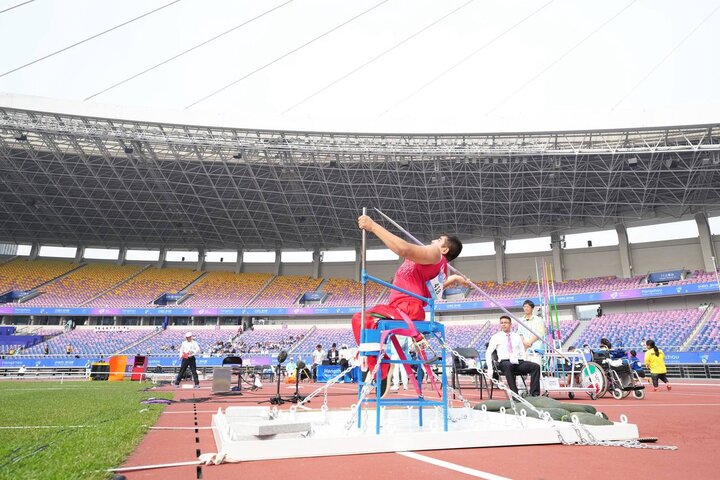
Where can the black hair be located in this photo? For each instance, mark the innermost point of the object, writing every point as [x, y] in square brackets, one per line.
[651, 344]
[605, 342]
[633, 353]
[454, 246]
[505, 316]
[529, 302]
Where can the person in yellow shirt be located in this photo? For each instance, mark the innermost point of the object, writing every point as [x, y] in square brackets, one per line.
[655, 361]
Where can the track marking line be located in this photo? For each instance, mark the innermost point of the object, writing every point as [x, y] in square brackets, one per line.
[662, 405]
[32, 427]
[451, 466]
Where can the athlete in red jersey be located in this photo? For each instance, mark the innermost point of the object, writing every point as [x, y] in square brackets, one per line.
[423, 264]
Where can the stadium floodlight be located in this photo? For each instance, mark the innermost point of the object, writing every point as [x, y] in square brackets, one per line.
[21, 137]
[129, 150]
[633, 161]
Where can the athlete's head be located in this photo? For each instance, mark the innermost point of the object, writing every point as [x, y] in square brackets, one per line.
[450, 246]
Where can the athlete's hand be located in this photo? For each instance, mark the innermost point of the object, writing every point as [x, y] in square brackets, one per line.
[366, 223]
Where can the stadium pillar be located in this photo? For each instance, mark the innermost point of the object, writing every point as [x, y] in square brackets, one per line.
[557, 256]
[122, 256]
[316, 263]
[161, 258]
[201, 259]
[624, 248]
[500, 260]
[278, 256]
[34, 251]
[239, 262]
[706, 243]
[80, 253]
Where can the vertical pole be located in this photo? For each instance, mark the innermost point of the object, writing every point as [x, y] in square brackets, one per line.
[363, 281]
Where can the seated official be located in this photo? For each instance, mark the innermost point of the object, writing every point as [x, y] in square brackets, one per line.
[512, 357]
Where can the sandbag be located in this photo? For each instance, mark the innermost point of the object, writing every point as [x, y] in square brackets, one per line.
[494, 405]
[545, 402]
[586, 419]
[528, 412]
[578, 407]
[555, 413]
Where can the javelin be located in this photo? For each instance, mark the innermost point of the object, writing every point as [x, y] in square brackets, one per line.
[470, 282]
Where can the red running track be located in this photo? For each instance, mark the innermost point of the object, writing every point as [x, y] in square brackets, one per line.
[685, 417]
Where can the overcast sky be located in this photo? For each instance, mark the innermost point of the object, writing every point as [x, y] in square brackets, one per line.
[382, 65]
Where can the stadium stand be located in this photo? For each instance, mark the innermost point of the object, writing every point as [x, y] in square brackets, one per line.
[83, 285]
[284, 291]
[668, 328]
[168, 341]
[95, 341]
[24, 274]
[270, 340]
[709, 336]
[225, 289]
[325, 337]
[346, 293]
[142, 290]
[517, 289]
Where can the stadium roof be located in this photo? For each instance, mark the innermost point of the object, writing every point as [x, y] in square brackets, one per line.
[95, 181]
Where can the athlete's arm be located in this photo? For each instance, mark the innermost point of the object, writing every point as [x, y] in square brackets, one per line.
[455, 279]
[423, 255]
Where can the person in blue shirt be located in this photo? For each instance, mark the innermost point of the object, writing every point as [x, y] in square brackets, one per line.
[636, 365]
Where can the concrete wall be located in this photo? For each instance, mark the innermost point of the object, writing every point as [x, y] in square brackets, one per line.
[261, 268]
[305, 269]
[478, 268]
[591, 262]
[520, 266]
[338, 270]
[670, 255]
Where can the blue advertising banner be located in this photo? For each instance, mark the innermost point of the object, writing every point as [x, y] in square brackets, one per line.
[608, 296]
[169, 361]
[326, 373]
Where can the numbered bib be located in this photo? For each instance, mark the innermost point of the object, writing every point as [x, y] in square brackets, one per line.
[435, 286]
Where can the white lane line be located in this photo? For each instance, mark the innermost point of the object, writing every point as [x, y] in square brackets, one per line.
[33, 427]
[451, 466]
[179, 428]
[190, 411]
[661, 405]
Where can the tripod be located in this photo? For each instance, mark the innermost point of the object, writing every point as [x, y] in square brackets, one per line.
[277, 399]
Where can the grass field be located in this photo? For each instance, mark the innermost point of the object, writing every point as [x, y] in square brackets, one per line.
[109, 414]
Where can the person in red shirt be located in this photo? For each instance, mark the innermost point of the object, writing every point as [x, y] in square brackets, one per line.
[425, 267]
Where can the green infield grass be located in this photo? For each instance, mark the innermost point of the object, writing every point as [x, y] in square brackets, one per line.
[93, 426]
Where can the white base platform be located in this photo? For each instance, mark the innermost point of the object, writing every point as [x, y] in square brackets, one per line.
[236, 432]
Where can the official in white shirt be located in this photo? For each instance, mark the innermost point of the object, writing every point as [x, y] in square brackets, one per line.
[318, 355]
[534, 323]
[188, 349]
[512, 358]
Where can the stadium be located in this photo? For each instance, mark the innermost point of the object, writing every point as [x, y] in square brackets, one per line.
[124, 231]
